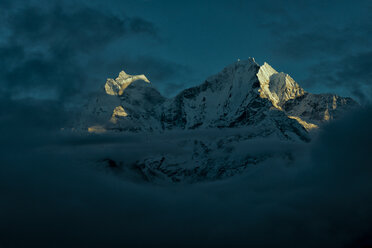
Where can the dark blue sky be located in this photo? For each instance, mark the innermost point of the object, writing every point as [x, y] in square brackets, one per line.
[59, 50]
[54, 53]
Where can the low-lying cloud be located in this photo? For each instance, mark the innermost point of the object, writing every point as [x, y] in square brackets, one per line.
[51, 195]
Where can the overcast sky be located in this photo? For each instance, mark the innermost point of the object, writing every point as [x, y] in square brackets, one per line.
[54, 194]
[55, 49]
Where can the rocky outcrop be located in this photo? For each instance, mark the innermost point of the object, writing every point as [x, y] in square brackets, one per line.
[117, 86]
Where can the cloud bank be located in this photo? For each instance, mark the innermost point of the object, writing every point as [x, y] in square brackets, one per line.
[51, 195]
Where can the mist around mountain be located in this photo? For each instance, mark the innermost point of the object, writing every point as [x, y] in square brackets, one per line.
[234, 121]
[53, 196]
[75, 188]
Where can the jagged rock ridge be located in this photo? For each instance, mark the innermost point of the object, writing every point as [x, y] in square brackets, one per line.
[244, 93]
[255, 101]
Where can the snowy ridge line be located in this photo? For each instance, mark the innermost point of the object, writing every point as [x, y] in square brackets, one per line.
[243, 93]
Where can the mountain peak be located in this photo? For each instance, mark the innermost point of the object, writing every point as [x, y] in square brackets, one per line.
[277, 87]
[243, 63]
[123, 74]
[117, 86]
[265, 72]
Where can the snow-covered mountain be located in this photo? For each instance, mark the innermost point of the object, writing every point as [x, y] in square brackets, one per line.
[244, 103]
